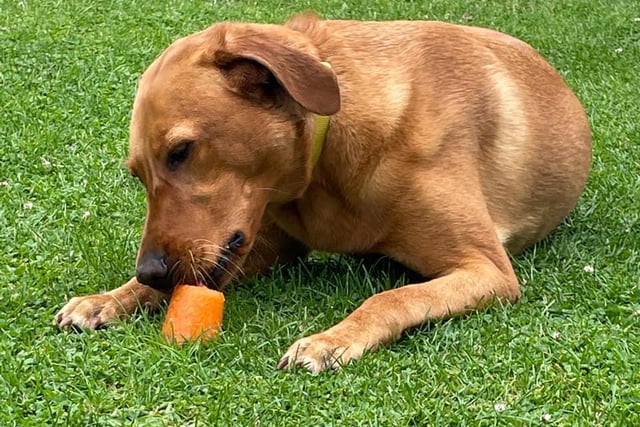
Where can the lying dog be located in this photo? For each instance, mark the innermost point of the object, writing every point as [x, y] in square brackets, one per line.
[447, 147]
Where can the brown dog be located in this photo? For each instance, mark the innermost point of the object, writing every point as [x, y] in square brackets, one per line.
[446, 145]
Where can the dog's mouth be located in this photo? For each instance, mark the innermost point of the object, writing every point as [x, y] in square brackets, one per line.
[226, 265]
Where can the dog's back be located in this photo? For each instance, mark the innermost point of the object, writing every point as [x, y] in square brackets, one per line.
[464, 97]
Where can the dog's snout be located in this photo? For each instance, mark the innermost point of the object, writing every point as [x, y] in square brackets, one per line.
[153, 271]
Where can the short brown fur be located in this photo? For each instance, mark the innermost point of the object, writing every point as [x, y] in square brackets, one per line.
[448, 146]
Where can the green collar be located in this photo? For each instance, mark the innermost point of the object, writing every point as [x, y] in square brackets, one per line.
[320, 134]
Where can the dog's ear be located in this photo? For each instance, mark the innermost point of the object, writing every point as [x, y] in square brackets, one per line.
[256, 67]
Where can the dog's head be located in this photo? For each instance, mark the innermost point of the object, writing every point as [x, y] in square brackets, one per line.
[222, 126]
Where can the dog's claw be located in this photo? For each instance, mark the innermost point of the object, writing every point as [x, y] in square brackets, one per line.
[62, 321]
[284, 362]
[94, 323]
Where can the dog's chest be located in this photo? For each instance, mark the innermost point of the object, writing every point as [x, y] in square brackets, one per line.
[324, 221]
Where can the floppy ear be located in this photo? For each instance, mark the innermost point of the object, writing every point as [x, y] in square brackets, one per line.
[257, 64]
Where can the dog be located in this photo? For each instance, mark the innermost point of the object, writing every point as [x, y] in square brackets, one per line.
[441, 146]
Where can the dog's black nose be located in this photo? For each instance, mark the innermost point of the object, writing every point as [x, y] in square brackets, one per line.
[153, 271]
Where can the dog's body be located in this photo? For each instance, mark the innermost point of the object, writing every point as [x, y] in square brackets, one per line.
[451, 143]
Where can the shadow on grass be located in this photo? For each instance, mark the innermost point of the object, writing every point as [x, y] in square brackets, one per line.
[329, 274]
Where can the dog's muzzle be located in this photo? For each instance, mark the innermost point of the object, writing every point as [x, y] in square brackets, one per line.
[155, 271]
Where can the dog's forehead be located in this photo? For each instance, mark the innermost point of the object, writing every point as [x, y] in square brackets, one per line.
[174, 57]
[172, 73]
[162, 91]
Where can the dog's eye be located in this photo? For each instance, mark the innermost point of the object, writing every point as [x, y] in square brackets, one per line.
[178, 155]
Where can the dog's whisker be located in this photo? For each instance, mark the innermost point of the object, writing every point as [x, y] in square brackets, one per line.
[200, 276]
[214, 262]
[192, 265]
[204, 254]
[217, 265]
[210, 253]
[205, 243]
[237, 266]
[234, 264]
[234, 275]
[261, 240]
[207, 276]
[174, 267]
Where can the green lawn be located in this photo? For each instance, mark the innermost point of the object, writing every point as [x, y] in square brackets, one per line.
[70, 221]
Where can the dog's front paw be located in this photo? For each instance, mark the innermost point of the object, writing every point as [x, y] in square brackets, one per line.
[89, 312]
[321, 352]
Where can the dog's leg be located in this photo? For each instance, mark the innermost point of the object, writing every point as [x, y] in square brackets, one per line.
[382, 318]
[460, 245]
[94, 311]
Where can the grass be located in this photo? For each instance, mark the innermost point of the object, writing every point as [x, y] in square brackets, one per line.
[70, 221]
